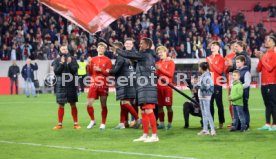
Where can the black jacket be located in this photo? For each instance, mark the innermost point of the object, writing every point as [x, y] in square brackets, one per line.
[13, 72]
[24, 71]
[67, 92]
[123, 68]
[146, 91]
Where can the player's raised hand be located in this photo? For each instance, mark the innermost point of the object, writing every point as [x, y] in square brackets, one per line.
[157, 66]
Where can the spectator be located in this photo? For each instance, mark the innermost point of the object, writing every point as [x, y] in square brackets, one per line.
[28, 75]
[13, 73]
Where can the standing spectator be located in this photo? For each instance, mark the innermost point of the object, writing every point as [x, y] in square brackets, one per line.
[245, 79]
[28, 75]
[13, 75]
[205, 87]
[267, 68]
[15, 53]
[215, 28]
[26, 50]
[235, 97]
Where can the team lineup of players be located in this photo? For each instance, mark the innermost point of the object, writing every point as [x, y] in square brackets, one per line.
[143, 63]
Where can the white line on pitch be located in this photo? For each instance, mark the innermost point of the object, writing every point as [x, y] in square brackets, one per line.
[93, 150]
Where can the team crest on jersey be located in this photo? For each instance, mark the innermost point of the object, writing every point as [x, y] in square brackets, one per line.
[130, 67]
[168, 99]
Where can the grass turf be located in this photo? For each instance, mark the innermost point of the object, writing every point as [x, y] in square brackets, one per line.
[30, 120]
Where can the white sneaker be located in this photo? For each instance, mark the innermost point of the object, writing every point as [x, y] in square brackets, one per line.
[152, 139]
[91, 124]
[203, 133]
[120, 126]
[142, 138]
[102, 126]
[213, 133]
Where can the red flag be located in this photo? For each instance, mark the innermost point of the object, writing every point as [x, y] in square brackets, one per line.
[95, 15]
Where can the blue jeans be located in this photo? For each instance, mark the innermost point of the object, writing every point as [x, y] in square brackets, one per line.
[239, 116]
[206, 114]
[29, 85]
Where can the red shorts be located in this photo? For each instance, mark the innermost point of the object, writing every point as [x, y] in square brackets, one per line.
[148, 106]
[164, 95]
[96, 92]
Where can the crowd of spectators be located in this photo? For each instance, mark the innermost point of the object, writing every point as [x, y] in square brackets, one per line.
[271, 9]
[186, 27]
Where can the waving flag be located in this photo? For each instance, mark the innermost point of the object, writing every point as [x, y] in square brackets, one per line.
[95, 15]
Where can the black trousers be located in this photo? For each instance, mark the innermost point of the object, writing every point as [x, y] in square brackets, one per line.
[269, 97]
[217, 95]
[188, 108]
[81, 82]
[14, 82]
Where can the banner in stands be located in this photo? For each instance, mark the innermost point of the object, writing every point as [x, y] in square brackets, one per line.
[95, 15]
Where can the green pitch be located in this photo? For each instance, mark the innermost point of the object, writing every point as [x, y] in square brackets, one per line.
[26, 132]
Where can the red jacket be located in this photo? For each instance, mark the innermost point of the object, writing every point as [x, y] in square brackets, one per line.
[98, 78]
[166, 71]
[267, 66]
[216, 64]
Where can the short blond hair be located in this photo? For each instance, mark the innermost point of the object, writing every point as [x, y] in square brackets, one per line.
[102, 44]
[162, 48]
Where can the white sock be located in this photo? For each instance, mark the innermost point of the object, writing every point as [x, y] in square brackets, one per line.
[154, 135]
[145, 135]
[162, 123]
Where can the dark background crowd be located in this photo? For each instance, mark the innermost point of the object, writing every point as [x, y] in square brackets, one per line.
[186, 27]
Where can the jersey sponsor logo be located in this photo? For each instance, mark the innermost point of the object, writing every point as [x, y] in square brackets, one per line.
[167, 99]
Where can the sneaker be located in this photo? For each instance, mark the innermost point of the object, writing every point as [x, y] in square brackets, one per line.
[120, 126]
[160, 126]
[213, 133]
[203, 133]
[169, 126]
[57, 127]
[220, 126]
[233, 129]
[76, 126]
[142, 138]
[91, 124]
[273, 128]
[229, 126]
[152, 139]
[265, 127]
[186, 126]
[137, 124]
[102, 126]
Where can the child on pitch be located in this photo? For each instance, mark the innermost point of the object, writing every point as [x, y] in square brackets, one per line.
[236, 97]
[246, 81]
[205, 87]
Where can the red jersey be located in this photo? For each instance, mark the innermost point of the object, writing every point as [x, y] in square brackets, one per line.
[267, 66]
[165, 72]
[216, 64]
[98, 78]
